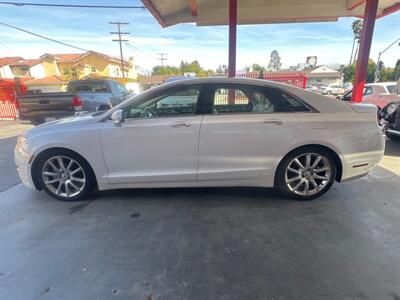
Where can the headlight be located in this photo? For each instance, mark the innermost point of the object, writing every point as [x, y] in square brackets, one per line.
[20, 143]
[391, 109]
[21, 139]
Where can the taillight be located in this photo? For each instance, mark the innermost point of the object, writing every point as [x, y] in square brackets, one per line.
[77, 103]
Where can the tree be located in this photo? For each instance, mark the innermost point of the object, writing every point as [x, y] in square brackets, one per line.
[71, 74]
[356, 27]
[261, 74]
[194, 66]
[349, 72]
[165, 70]
[257, 68]
[274, 62]
[222, 69]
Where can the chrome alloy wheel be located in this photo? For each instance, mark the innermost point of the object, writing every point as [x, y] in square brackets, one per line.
[308, 174]
[63, 176]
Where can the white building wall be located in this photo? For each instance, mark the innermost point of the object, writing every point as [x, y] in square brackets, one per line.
[37, 71]
[5, 72]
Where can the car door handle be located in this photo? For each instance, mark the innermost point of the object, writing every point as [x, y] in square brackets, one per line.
[275, 122]
[181, 124]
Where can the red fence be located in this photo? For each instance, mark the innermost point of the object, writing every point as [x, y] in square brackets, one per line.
[9, 88]
[297, 79]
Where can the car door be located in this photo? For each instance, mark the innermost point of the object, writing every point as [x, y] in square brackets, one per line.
[158, 141]
[247, 130]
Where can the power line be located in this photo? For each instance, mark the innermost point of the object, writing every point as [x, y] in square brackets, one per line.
[68, 5]
[138, 51]
[120, 40]
[43, 37]
[162, 58]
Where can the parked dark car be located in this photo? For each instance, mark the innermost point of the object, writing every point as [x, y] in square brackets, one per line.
[389, 118]
[81, 96]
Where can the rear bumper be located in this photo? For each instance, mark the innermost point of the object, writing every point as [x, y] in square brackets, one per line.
[359, 164]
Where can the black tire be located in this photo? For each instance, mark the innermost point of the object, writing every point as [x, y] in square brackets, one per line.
[392, 137]
[280, 179]
[86, 188]
[37, 122]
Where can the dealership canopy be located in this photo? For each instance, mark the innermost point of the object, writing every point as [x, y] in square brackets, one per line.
[234, 12]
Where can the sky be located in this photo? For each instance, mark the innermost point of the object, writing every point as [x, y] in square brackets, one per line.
[88, 28]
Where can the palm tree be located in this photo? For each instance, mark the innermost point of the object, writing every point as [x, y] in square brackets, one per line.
[356, 26]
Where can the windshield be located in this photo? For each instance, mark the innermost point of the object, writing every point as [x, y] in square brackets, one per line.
[392, 89]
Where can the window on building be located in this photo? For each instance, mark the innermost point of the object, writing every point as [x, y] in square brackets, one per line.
[93, 69]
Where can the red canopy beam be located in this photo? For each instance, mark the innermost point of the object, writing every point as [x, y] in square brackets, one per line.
[371, 8]
[232, 37]
[193, 8]
[352, 4]
[391, 9]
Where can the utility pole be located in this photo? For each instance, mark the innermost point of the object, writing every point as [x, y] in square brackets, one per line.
[377, 70]
[120, 40]
[162, 58]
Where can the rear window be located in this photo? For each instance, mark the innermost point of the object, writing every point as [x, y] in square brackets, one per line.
[392, 89]
[92, 87]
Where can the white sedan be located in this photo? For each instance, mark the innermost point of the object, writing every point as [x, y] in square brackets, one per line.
[205, 132]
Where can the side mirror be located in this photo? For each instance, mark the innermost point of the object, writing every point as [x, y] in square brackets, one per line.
[118, 117]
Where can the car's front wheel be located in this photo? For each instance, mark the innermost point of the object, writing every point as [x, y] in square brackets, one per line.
[64, 175]
[306, 174]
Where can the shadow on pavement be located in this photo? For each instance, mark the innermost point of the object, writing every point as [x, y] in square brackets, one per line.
[8, 171]
[392, 148]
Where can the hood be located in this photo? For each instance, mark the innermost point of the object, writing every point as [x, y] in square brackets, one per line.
[65, 122]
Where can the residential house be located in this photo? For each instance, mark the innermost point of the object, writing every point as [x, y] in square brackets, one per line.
[5, 70]
[29, 68]
[323, 75]
[77, 65]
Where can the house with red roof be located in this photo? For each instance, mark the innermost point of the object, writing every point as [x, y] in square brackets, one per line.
[5, 70]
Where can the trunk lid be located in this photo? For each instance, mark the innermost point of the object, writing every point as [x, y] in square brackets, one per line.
[364, 108]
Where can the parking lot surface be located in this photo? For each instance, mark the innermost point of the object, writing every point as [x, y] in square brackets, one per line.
[211, 243]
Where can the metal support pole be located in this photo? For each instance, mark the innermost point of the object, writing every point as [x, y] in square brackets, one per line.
[371, 7]
[232, 37]
[379, 59]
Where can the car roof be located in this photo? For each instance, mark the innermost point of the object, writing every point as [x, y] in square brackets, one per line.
[381, 83]
[235, 80]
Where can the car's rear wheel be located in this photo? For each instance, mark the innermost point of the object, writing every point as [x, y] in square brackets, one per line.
[306, 173]
[65, 176]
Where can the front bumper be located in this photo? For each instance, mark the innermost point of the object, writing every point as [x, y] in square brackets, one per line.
[23, 158]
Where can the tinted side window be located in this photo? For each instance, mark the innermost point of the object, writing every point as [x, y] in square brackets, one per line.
[368, 91]
[92, 87]
[253, 99]
[178, 102]
[122, 89]
[240, 99]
